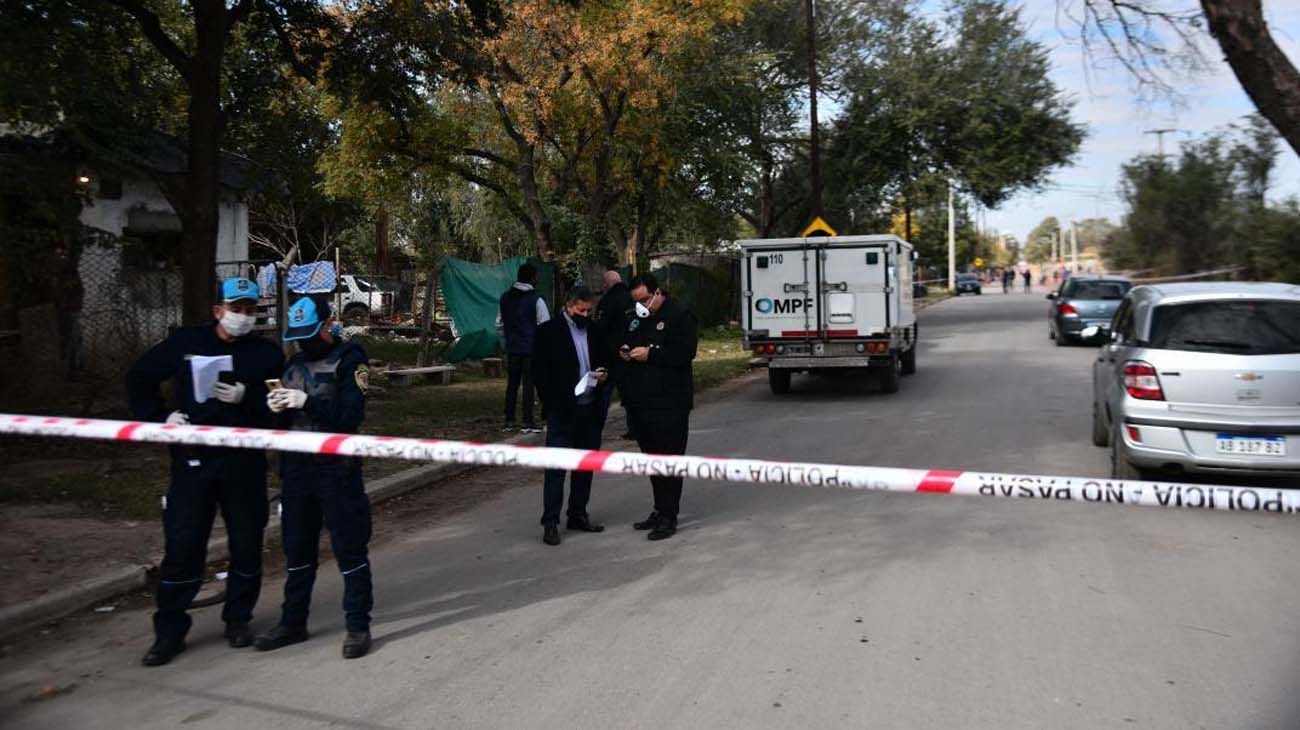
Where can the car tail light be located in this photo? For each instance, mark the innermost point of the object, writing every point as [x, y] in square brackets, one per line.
[1133, 434]
[1066, 309]
[1141, 382]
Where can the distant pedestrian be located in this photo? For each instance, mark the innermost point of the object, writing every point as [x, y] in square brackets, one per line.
[612, 314]
[571, 354]
[657, 351]
[522, 309]
[1028, 276]
[1008, 278]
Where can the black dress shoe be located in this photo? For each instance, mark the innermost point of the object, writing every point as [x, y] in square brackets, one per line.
[162, 651]
[280, 636]
[551, 534]
[356, 644]
[666, 528]
[238, 636]
[584, 524]
[649, 523]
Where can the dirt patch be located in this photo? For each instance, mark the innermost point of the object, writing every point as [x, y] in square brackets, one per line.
[50, 547]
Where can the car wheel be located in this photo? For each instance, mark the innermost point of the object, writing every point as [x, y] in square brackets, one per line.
[778, 381]
[979, 292]
[1120, 466]
[908, 365]
[1100, 436]
[357, 315]
[1061, 340]
[889, 375]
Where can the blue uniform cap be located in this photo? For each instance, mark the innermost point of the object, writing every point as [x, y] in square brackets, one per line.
[305, 319]
[237, 287]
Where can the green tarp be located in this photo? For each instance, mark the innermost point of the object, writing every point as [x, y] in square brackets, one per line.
[472, 293]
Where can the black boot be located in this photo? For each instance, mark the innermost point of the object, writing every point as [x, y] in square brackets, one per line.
[584, 524]
[551, 534]
[666, 528]
[162, 651]
[648, 523]
[281, 636]
[356, 644]
[238, 636]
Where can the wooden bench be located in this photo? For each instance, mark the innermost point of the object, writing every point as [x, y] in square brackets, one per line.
[492, 367]
[440, 374]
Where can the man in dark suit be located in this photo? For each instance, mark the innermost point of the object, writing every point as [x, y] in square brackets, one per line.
[657, 382]
[570, 353]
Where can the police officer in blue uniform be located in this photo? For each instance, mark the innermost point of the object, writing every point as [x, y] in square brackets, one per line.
[205, 479]
[323, 389]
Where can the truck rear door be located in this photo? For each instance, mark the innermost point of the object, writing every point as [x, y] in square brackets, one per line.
[782, 292]
[854, 281]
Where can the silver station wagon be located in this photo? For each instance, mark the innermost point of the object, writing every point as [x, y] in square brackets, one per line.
[1201, 377]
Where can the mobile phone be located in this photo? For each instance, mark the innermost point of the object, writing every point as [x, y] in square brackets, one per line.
[625, 348]
[227, 377]
[273, 384]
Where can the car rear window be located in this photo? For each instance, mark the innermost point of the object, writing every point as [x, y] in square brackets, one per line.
[1230, 327]
[1097, 290]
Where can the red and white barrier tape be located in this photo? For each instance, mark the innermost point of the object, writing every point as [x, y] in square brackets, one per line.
[1083, 489]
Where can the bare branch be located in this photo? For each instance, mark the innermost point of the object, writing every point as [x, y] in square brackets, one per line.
[151, 26]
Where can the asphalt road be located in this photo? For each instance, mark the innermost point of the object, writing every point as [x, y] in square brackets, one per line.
[777, 607]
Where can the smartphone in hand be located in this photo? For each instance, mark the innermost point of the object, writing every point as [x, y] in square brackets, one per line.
[273, 384]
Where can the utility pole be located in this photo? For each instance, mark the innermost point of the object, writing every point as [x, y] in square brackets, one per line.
[952, 241]
[1074, 247]
[1160, 139]
[815, 156]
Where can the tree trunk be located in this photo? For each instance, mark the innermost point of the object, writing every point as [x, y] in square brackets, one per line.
[381, 242]
[532, 198]
[1267, 75]
[200, 202]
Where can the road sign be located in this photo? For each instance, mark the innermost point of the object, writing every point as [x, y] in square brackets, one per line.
[818, 227]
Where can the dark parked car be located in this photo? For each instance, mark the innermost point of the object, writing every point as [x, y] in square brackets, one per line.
[1084, 301]
[968, 283]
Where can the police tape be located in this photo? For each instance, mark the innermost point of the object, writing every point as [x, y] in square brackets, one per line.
[757, 471]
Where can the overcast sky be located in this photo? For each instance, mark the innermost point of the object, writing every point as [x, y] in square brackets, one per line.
[1107, 103]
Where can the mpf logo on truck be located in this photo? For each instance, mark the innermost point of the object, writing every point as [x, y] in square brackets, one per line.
[783, 306]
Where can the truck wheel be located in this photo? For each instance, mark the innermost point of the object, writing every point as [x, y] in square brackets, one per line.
[357, 315]
[908, 366]
[779, 381]
[889, 375]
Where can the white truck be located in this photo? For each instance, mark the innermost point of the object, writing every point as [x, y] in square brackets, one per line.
[819, 304]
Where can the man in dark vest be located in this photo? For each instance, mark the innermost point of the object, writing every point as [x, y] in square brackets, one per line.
[205, 479]
[569, 369]
[522, 309]
[323, 389]
[655, 376]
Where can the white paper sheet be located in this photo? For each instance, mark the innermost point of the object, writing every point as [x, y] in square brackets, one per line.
[204, 370]
[586, 384]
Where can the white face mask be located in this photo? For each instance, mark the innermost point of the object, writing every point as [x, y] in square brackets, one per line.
[236, 324]
[643, 310]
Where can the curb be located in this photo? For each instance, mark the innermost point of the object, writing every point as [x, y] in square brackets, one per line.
[19, 618]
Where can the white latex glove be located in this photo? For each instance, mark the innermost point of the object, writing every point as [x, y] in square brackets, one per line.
[227, 393]
[177, 418]
[282, 398]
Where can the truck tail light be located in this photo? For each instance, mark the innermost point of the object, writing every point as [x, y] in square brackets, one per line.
[1141, 381]
[1067, 310]
[877, 348]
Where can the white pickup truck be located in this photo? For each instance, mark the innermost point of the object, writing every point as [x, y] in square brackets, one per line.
[813, 304]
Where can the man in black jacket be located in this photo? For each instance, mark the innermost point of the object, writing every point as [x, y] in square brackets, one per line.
[612, 314]
[205, 479]
[569, 370]
[655, 377]
[521, 311]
